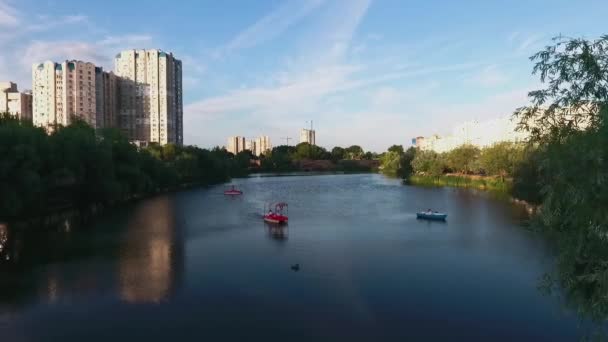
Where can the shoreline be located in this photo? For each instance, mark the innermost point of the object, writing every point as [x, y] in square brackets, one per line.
[490, 184]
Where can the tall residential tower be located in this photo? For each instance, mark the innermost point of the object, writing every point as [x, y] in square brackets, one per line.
[72, 89]
[151, 108]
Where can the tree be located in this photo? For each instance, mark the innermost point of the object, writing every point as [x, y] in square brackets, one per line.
[406, 169]
[354, 152]
[568, 127]
[463, 158]
[337, 154]
[396, 148]
[429, 163]
[501, 158]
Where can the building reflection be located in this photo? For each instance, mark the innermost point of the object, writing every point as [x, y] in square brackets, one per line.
[3, 240]
[151, 260]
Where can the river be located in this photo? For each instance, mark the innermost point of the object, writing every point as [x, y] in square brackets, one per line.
[199, 265]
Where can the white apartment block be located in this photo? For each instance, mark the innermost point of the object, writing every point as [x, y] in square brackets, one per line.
[151, 108]
[262, 145]
[480, 134]
[236, 144]
[72, 89]
[251, 145]
[14, 102]
[307, 136]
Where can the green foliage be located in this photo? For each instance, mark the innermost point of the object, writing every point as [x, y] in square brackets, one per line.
[429, 163]
[569, 130]
[75, 166]
[501, 158]
[284, 158]
[396, 148]
[307, 151]
[279, 159]
[495, 184]
[463, 159]
[354, 152]
[337, 154]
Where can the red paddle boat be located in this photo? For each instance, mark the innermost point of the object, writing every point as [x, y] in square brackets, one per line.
[233, 192]
[277, 216]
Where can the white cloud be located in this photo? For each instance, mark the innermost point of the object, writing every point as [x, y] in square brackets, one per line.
[8, 15]
[273, 24]
[39, 51]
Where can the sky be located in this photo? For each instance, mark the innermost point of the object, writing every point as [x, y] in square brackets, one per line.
[367, 72]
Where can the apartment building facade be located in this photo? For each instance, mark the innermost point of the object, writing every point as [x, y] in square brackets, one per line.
[68, 90]
[150, 96]
[236, 144]
[14, 102]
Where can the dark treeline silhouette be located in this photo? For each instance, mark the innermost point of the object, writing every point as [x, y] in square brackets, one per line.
[77, 167]
[291, 158]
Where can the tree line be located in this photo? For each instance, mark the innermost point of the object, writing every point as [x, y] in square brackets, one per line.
[563, 167]
[285, 158]
[75, 166]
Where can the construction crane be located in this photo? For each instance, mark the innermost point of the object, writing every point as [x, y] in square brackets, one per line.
[286, 140]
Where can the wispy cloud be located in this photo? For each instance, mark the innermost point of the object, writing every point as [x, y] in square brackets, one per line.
[272, 25]
[44, 23]
[8, 15]
[525, 42]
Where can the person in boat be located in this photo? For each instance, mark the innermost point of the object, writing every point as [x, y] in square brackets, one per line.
[270, 213]
[429, 211]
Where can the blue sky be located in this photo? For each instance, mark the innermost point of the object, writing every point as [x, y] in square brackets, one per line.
[368, 72]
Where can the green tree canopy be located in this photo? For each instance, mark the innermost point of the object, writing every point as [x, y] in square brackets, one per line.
[463, 158]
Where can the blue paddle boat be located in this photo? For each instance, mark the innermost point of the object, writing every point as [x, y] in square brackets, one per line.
[430, 215]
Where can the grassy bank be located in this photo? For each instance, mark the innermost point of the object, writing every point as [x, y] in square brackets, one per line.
[495, 184]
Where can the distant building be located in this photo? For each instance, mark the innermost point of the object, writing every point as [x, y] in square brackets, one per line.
[14, 102]
[262, 145]
[236, 144]
[151, 107]
[251, 145]
[71, 89]
[307, 136]
[480, 134]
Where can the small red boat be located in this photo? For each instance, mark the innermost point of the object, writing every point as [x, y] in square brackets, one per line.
[279, 215]
[233, 191]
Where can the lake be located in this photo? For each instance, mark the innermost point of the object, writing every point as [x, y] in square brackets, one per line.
[199, 265]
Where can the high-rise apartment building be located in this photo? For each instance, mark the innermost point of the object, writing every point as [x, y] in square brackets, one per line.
[106, 97]
[262, 145]
[14, 102]
[251, 145]
[236, 144]
[151, 108]
[72, 89]
[307, 136]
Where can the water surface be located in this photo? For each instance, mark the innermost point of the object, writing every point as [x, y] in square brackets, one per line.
[198, 265]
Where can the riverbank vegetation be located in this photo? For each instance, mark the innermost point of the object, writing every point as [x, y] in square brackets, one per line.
[77, 167]
[563, 168]
[307, 157]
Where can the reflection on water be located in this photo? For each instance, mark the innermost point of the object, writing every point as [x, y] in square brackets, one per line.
[3, 240]
[369, 269]
[277, 232]
[147, 263]
[139, 259]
